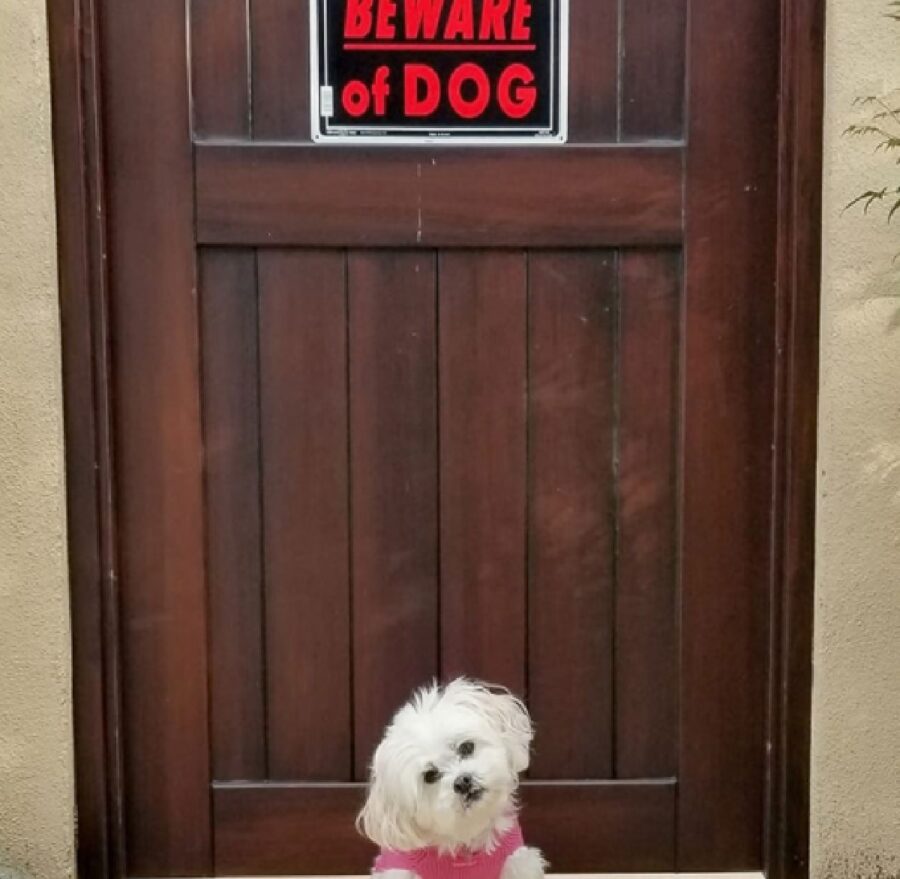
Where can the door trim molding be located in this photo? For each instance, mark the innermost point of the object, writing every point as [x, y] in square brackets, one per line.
[801, 90]
[82, 227]
[93, 565]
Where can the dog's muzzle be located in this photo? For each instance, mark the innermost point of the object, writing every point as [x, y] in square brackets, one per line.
[469, 789]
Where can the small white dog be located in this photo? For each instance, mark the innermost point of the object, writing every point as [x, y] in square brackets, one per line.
[442, 793]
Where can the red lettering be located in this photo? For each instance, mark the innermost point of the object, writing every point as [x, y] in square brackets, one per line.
[358, 19]
[355, 97]
[521, 27]
[385, 28]
[381, 89]
[516, 93]
[422, 19]
[416, 104]
[465, 107]
[460, 21]
[493, 20]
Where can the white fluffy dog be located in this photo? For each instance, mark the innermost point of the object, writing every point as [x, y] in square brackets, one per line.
[442, 793]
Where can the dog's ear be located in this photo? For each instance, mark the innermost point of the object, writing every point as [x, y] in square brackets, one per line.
[387, 817]
[506, 713]
[514, 723]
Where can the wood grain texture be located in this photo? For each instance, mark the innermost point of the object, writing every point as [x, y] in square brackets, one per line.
[653, 69]
[290, 829]
[482, 341]
[229, 328]
[728, 433]
[86, 325]
[394, 477]
[593, 70]
[81, 216]
[220, 79]
[279, 32]
[607, 827]
[156, 368]
[577, 196]
[572, 303]
[646, 569]
[799, 269]
[303, 386]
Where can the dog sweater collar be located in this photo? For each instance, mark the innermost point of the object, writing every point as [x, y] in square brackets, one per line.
[430, 863]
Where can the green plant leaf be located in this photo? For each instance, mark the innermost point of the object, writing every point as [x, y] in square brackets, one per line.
[870, 196]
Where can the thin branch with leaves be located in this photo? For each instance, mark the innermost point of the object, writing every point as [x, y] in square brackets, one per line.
[882, 124]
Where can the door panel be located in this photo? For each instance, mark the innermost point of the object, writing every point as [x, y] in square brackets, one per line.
[593, 81]
[572, 342]
[303, 423]
[483, 393]
[220, 79]
[652, 70]
[234, 548]
[646, 606]
[390, 414]
[394, 498]
[458, 469]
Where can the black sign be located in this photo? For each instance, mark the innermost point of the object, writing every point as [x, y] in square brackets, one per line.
[419, 70]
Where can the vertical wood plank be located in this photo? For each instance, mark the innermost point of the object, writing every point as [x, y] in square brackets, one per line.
[280, 69]
[233, 533]
[219, 74]
[728, 432]
[156, 360]
[653, 74]
[90, 510]
[393, 429]
[304, 433]
[593, 70]
[800, 104]
[572, 310]
[482, 340]
[646, 625]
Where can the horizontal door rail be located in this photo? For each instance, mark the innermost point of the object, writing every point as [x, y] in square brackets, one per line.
[332, 196]
[264, 828]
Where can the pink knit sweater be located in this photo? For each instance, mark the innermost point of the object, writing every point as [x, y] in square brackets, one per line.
[429, 863]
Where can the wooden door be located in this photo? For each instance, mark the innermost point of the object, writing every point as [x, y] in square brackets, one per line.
[385, 413]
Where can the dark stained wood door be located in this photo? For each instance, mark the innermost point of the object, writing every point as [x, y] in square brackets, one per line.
[384, 414]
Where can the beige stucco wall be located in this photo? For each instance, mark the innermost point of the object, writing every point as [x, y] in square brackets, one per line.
[36, 802]
[856, 711]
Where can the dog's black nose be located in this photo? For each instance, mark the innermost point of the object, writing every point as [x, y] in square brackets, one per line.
[463, 784]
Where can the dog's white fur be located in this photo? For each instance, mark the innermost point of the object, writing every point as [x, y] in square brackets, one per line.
[432, 735]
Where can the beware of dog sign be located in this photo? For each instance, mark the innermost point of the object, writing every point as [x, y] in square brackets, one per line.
[460, 71]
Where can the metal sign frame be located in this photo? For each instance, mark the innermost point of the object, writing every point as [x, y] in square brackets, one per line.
[443, 135]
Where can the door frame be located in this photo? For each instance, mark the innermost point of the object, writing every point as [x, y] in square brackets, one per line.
[78, 138]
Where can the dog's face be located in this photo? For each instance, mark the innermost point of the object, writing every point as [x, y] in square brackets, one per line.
[447, 768]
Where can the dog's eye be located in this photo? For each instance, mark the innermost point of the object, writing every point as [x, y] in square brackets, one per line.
[467, 749]
[431, 776]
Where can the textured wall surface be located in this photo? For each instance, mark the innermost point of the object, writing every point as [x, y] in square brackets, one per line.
[856, 713]
[36, 803]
